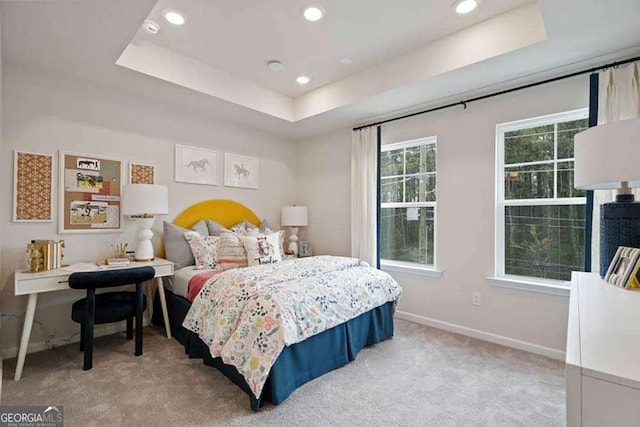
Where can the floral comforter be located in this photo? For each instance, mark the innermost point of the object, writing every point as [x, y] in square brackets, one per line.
[248, 315]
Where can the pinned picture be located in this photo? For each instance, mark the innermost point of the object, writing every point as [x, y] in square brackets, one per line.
[89, 212]
[90, 164]
[84, 181]
[196, 165]
[241, 171]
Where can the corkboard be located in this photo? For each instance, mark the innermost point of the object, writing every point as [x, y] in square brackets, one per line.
[90, 188]
[32, 187]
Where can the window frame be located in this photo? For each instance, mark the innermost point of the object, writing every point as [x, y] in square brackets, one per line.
[404, 266]
[518, 281]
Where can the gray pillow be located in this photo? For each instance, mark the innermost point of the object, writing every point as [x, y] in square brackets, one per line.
[214, 228]
[247, 225]
[264, 224]
[176, 247]
[201, 228]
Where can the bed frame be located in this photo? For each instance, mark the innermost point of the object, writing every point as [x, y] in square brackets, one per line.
[298, 363]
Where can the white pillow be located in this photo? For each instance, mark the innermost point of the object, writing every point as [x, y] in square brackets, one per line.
[204, 249]
[262, 249]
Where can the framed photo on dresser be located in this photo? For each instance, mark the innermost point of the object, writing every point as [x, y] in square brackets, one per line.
[624, 268]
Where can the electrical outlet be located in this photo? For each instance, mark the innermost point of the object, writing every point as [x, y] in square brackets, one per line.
[476, 299]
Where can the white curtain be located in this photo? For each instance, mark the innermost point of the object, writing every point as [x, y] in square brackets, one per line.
[618, 99]
[364, 190]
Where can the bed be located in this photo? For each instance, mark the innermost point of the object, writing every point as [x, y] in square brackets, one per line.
[297, 363]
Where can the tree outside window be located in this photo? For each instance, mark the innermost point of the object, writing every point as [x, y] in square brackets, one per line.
[541, 216]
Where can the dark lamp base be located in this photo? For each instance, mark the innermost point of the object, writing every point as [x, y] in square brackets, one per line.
[619, 226]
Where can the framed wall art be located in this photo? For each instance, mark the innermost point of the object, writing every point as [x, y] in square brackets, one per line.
[90, 188]
[141, 173]
[32, 187]
[196, 165]
[623, 270]
[241, 171]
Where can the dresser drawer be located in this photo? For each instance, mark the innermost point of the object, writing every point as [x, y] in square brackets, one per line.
[42, 284]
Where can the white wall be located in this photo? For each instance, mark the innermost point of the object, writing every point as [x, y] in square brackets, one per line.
[465, 213]
[324, 186]
[46, 112]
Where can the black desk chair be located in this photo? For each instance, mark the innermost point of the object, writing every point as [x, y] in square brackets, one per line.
[110, 306]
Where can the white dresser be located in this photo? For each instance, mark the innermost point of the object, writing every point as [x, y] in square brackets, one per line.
[603, 354]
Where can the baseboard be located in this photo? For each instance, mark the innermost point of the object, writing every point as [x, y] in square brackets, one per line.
[482, 335]
[99, 331]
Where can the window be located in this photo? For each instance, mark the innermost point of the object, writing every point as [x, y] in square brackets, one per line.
[540, 215]
[408, 202]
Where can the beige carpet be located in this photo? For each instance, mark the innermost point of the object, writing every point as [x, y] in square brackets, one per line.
[422, 377]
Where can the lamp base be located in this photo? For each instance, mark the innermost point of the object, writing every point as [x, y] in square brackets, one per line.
[144, 249]
[619, 226]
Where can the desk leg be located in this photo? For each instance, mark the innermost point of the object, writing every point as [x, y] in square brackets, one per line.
[26, 333]
[163, 303]
[149, 288]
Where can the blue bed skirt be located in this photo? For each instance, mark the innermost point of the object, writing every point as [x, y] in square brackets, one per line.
[298, 363]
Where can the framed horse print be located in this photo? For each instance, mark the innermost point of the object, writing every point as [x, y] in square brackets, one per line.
[241, 171]
[196, 165]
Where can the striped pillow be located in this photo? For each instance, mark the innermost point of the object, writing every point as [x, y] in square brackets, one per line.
[231, 252]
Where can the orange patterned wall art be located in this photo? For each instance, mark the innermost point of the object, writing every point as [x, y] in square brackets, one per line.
[33, 187]
[140, 173]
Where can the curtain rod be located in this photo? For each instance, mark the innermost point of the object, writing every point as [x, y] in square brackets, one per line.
[503, 92]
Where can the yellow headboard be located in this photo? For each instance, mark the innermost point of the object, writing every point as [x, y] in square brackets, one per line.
[225, 212]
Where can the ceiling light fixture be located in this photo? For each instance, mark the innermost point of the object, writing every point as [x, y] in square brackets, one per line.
[150, 27]
[275, 65]
[313, 12]
[346, 61]
[173, 16]
[303, 80]
[462, 7]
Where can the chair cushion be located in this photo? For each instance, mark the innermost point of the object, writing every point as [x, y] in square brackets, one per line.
[110, 307]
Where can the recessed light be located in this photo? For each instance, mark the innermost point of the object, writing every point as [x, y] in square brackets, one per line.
[150, 27]
[463, 7]
[346, 61]
[313, 12]
[275, 65]
[303, 80]
[173, 16]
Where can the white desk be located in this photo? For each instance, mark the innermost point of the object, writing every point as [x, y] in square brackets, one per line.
[28, 283]
[603, 344]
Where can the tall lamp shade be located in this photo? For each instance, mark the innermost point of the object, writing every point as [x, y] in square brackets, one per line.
[606, 157]
[294, 217]
[142, 201]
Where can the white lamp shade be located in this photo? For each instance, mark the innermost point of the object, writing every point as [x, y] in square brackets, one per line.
[607, 155]
[294, 216]
[141, 199]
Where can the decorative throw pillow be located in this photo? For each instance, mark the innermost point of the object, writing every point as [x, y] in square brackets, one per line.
[204, 249]
[201, 228]
[214, 228]
[176, 247]
[231, 252]
[262, 249]
[280, 236]
[245, 224]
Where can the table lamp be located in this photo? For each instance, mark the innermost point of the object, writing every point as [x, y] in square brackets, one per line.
[293, 217]
[606, 157]
[141, 202]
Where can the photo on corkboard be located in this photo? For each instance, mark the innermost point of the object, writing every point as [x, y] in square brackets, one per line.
[32, 187]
